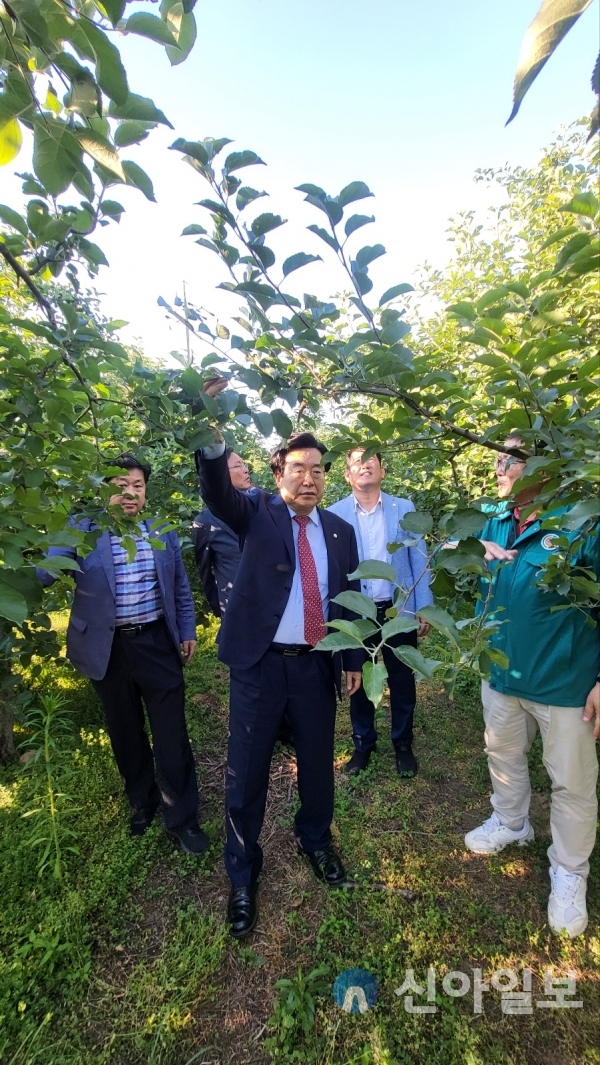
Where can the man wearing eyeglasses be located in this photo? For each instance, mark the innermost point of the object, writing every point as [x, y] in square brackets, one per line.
[295, 561]
[217, 547]
[375, 517]
[550, 681]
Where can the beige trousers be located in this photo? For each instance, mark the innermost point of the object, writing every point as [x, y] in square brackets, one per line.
[569, 753]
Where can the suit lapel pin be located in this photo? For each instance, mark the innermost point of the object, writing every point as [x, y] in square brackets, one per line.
[335, 536]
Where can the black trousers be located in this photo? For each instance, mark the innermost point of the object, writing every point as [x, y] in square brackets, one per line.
[259, 697]
[403, 696]
[147, 667]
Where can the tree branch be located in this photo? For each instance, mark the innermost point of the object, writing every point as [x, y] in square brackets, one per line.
[24, 276]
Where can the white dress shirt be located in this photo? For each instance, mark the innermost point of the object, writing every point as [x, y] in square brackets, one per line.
[373, 536]
[291, 626]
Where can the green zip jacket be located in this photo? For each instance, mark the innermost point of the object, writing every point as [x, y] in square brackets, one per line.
[554, 656]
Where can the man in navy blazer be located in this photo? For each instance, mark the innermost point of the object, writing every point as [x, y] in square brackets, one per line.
[375, 517]
[129, 619]
[295, 560]
[216, 546]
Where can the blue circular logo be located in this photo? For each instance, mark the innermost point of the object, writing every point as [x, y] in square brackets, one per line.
[355, 990]
[550, 542]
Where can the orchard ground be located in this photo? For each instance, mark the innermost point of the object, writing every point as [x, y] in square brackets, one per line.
[127, 961]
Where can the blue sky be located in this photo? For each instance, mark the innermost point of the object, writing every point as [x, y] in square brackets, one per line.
[410, 96]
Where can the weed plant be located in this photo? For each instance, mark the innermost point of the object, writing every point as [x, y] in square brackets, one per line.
[50, 767]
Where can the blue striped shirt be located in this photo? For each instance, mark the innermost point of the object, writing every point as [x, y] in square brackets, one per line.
[137, 592]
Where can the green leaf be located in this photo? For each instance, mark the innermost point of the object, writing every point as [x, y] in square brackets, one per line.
[56, 156]
[363, 281]
[192, 229]
[396, 290]
[374, 677]
[283, 424]
[462, 524]
[186, 39]
[324, 235]
[237, 160]
[263, 422]
[367, 254]
[462, 310]
[360, 604]
[468, 557]
[101, 151]
[134, 175]
[57, 564]
[150, 26]
[415, 661]
[11, 218]
[340, 625]
[138, 109]
[372, 570]
[401, 623]
[246, 195]
[581, 512]
[440, 619]
[417, 521]
[11, 140]
[553, 20]
[130, 133]
[584, 203]
[296, 261]
[356, 221]
[559, 234]
[114, 9]
[338, 641]
[83, 96]
[394, 332]
[356, 190]
[264, 223]
[110, 72]
[13, 605]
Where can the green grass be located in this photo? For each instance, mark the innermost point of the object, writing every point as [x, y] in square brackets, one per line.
[126, 960]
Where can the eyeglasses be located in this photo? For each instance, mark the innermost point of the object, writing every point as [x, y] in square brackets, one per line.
[238, 466]
[317, 472]
[504, 462]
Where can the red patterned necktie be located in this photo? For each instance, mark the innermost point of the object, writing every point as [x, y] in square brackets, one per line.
[314, 623]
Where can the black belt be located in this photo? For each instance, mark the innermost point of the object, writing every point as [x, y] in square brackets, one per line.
[384, 604]
[134, 630]
[291, 650]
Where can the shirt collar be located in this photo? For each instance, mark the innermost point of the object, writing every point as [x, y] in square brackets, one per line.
[358, 505]
[314, 515]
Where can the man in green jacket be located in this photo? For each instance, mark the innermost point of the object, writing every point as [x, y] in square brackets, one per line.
[550, 682]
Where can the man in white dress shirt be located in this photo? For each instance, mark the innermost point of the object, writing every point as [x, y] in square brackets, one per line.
[375, 517]
[295, 561]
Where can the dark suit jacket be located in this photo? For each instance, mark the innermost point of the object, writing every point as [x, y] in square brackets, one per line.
[92, 621]
[264, 580]
[218, 557]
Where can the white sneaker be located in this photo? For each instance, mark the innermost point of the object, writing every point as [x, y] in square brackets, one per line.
[567, 911]
[492, 836]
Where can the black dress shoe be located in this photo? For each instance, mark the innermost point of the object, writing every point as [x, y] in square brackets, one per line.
[327, 865]
[358, 762]
[191, 839]
[141, 820]
[406, 763]
[242, 911]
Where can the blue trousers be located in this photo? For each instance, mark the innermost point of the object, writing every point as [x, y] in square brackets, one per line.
[303, 687]
[403, 696]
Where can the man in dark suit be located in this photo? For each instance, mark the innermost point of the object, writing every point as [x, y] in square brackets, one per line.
[295, 561]
[129, 619]
[217, 547]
